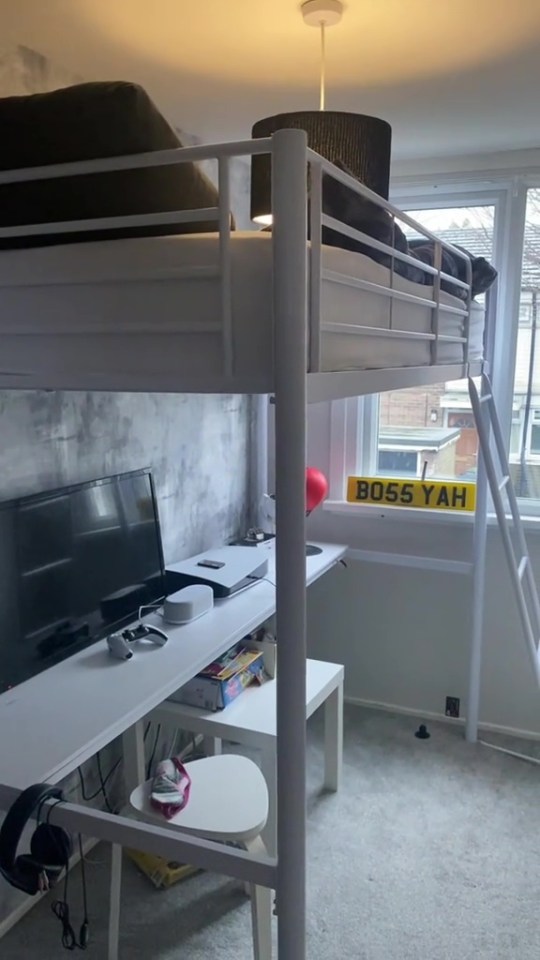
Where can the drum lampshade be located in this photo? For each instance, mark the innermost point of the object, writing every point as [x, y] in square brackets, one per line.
[361, 142]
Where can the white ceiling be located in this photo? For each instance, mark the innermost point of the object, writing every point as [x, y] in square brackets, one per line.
[451, 76]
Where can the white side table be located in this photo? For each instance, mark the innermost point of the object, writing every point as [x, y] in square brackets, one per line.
[251, 720]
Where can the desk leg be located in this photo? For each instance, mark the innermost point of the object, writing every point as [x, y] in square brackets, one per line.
[268, 767]
[212, 746]
[333, 739]
[133, 750]
[114, 901]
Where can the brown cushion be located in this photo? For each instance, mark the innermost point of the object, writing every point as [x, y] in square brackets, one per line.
[83, 122]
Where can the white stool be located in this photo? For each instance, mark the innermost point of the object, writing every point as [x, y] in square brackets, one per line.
[228, 802]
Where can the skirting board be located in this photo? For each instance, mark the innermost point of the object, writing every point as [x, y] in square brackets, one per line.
[442, 718]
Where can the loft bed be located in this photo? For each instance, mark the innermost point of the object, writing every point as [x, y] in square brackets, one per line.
[232, 312]
[124, 273]
[196, 310]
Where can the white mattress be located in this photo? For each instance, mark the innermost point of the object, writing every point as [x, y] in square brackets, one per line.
[139, 289]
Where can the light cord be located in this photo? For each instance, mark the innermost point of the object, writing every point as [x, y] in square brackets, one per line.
[323, 66]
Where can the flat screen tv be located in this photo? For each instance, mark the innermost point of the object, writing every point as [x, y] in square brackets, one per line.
[75, 564]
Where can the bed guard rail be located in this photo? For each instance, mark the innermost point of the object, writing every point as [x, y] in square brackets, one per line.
[321, 167]
[223, 153]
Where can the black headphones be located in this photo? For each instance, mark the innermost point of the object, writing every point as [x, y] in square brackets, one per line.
[50, 850]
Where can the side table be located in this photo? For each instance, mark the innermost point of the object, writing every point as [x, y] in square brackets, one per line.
[250, 720]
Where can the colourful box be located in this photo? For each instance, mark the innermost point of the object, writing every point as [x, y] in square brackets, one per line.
[162, 873]
[223, 680]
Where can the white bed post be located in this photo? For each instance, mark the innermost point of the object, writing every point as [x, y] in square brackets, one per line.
[289, 205]
[478, 595]
[479, 549]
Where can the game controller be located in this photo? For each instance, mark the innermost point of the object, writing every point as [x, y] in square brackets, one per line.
[119, 643]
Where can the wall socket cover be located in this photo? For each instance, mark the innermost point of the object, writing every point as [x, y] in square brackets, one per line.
[452, 706]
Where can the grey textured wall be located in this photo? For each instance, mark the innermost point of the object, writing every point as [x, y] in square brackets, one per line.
[197, 446]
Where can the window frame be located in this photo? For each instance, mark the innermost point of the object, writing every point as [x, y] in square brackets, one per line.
[354, 421]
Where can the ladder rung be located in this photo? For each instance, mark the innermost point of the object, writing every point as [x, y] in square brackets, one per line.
[505, 480]
[522, 566]
[486, 398]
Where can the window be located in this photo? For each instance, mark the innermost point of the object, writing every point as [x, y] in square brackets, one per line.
[430, 431]
[535, 434]
[525, 444]
[515, 434]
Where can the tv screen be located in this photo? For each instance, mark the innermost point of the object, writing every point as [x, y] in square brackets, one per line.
[75, 564]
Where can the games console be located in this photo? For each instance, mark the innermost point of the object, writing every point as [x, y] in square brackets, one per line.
[227, 570]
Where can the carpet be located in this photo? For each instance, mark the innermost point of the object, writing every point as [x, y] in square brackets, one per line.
[429, 852]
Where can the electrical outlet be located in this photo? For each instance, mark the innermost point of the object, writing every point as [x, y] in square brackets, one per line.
[452, 707]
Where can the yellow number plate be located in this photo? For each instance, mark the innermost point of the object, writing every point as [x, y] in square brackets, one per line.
[428, 494]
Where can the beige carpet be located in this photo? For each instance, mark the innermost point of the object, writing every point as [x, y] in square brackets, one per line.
[429, 852]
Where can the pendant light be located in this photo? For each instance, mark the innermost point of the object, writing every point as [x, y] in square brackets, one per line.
[361, 142]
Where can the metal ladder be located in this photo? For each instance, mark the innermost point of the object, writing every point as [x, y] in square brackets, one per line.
[500, 482]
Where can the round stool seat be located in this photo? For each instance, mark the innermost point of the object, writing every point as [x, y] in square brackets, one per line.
[228, 800]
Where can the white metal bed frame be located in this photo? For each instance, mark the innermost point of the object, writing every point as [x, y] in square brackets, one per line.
[296, 378]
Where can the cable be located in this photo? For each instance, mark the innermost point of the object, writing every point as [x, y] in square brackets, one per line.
[60, 908]
[150, 762]
[83, 934]
[149, 606]
[323, 65]
[102, 782]
[106, 779]
[510, 753]
[87, 798]
[262, 578]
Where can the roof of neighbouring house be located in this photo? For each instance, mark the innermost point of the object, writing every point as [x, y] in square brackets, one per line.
[417, 438]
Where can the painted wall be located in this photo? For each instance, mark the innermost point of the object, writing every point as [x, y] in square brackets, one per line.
[403, 634]
[198, 447]
[509, 162]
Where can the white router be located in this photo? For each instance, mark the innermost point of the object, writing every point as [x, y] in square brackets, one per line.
[226, 569]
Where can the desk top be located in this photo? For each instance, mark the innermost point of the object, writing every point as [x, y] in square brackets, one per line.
[55, 721]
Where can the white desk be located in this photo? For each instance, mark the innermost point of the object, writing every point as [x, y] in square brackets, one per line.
[251, 720]
[55, 721]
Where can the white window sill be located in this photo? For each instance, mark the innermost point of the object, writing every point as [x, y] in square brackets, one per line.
[408, 514]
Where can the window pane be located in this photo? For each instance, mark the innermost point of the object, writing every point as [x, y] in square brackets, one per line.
[428, 428]
[432, 428]
[535, 439]
[515, 439]
[525, 454]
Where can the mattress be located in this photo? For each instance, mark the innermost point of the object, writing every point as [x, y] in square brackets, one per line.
[162, 296]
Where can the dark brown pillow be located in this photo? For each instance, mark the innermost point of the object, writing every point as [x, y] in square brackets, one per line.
[83, 122]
